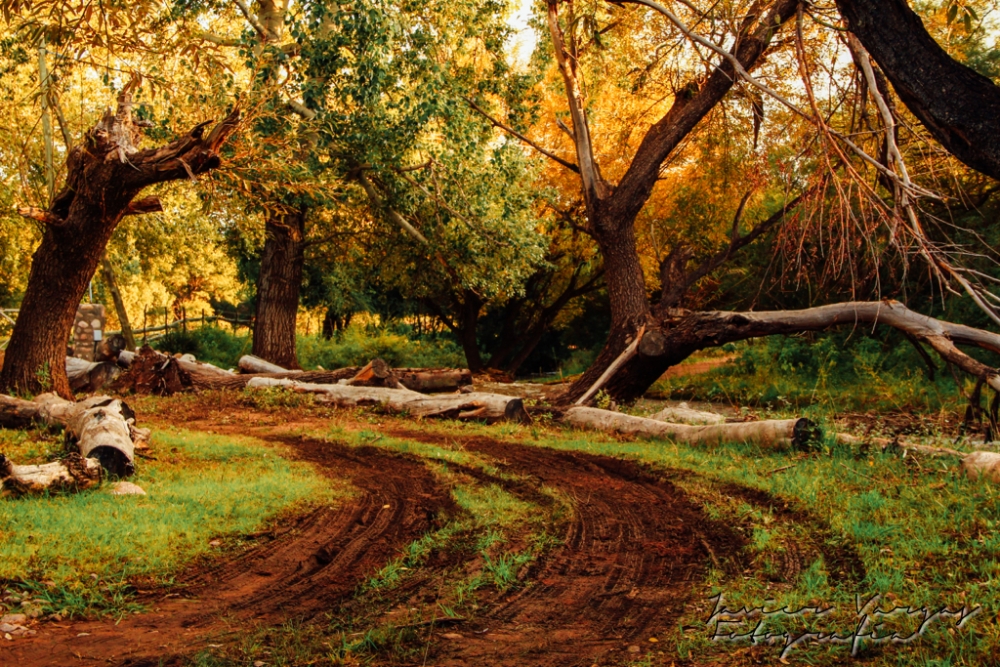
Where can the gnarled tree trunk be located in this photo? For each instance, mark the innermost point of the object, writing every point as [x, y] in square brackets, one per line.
[959, 106]
[104, 175]
[675, 336]
[278, 289]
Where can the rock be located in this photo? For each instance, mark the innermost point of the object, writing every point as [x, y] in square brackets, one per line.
[982, 464]
[127, 489]
[14, 619]
[7, 627]
[33, 610]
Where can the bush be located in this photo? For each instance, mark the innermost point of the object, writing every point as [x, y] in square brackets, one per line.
[354, 347]
[357, 346]
[210, 344]
[847, 370]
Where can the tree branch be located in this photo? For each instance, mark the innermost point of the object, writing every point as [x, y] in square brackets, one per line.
[552, 156]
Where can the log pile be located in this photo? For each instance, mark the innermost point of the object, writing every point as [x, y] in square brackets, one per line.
[152, 372]
[474, 405]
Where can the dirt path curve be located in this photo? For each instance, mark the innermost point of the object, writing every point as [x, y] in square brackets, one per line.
[634, 553]
[303, 573]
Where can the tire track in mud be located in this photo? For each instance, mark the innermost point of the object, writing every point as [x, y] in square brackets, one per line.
[632, 553]
[306, 571]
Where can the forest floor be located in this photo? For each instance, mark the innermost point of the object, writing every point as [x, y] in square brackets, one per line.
[447, 543]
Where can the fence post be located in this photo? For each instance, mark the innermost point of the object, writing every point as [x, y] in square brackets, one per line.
[145, 333]
[184, 318]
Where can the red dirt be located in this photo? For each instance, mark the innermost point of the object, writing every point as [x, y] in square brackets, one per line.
[631, 555]
[318, 562]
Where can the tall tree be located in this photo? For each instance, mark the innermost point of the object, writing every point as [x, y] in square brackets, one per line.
[105, 174]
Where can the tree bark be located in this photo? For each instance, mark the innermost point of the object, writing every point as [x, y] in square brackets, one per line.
[959, 106]
[278, 289]
[74, 473]
[104, 174]
[249, 363]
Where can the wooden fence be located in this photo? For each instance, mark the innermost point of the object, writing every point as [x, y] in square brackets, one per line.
[8, 316]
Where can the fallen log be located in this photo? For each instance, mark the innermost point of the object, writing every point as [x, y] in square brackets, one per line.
[73, 473]
[884, 443]
[251, 364]
[490, 407]
[683, 414]
[431, 380]
[89, 376]
[101, 427]
[770, 434]
[982, 464]
[376, 373]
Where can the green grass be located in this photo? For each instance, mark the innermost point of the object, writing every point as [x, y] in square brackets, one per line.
[355, 346]
[81, 550]
[835, 371]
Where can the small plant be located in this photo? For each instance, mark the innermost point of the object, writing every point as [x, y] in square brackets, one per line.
[44, 377]
[603, 400]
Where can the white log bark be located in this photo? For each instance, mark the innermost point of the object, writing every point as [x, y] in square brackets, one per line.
[491, 407]
[102, 427]
[982, 464]
[683, 414]
[74, 473]
[251, 364]
[770, 434]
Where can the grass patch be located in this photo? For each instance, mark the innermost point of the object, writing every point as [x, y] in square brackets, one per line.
[81, 550]
[834, 371]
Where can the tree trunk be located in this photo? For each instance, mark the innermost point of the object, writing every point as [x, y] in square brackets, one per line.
[104, 174]
[630, 310]
[959, 106]
[278, 289]
[108, 272]
[468, 324]
[680, 333]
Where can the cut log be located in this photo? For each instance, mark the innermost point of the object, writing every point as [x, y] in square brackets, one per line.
[489, 407]
[683, 414]
[770, 434]
[431, 380]
[89, 376]
[101, 427]
[376, 373]
[74, 473]
[251, 364]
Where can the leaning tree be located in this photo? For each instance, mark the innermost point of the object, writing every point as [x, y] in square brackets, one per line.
[104, 175]
[647, 336]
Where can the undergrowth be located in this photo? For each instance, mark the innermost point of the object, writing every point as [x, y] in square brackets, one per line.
[835, 370]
